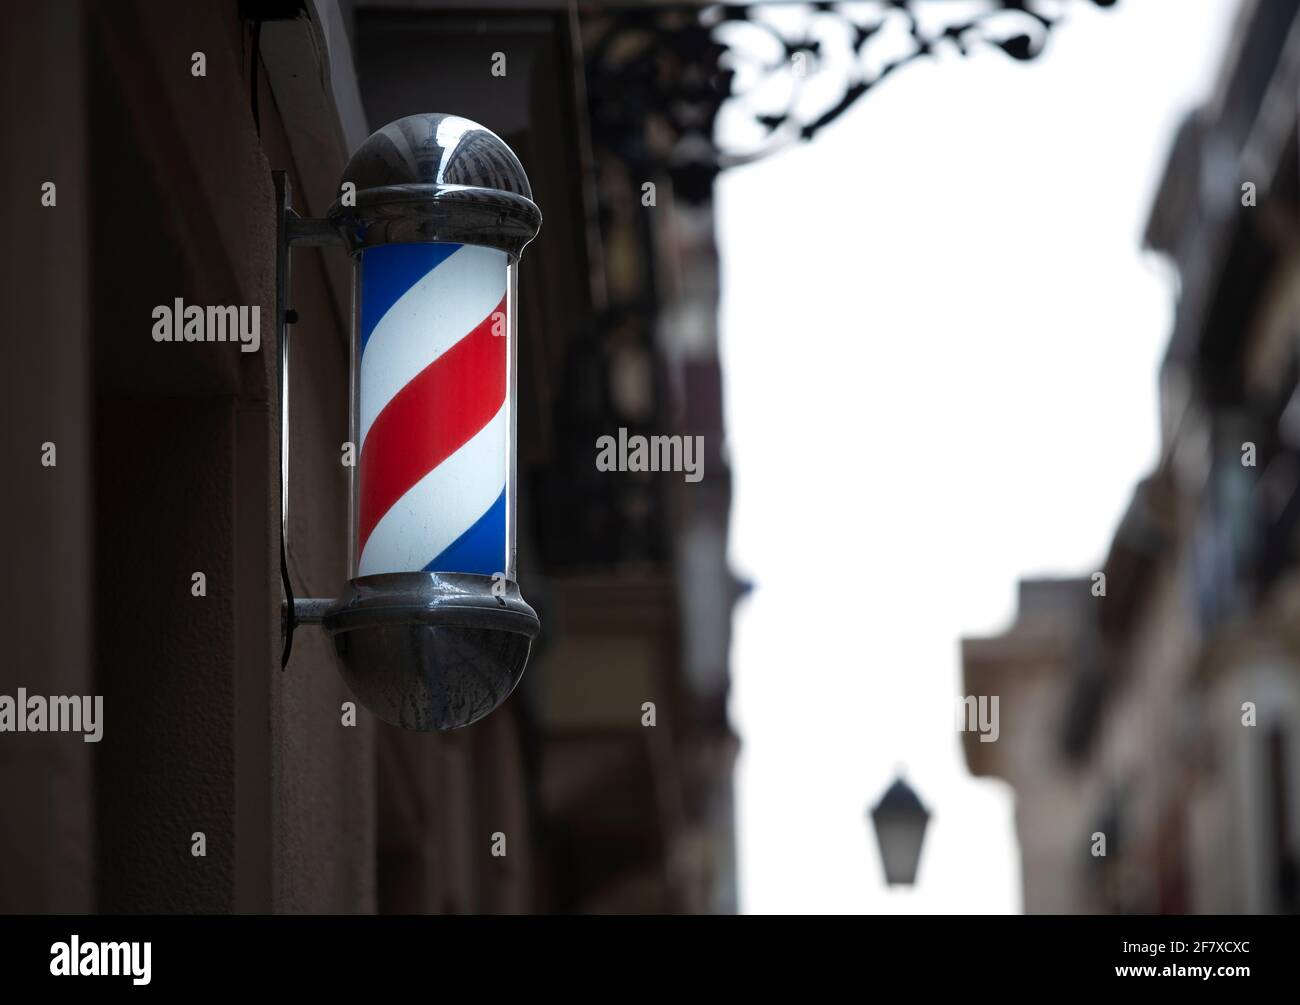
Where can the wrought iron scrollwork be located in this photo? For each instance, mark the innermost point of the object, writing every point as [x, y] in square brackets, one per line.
[691, 89]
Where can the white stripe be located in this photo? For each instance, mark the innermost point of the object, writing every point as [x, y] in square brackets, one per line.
[425, 321]
[441, 506]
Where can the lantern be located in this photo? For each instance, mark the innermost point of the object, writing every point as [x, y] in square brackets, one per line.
[431, 628]
[900, 821]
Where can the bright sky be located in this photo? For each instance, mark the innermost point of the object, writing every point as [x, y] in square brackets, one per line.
[940, 341]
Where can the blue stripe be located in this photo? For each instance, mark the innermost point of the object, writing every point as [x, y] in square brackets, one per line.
[481, 549]
[388, 271]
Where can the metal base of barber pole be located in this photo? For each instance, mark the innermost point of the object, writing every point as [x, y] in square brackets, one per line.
[427, 651]
[424, 650]
[432, 632]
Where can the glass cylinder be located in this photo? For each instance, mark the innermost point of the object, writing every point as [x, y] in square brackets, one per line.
[433, 353]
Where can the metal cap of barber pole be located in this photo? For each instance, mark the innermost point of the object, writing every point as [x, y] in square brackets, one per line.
[431, 629]
[436, 178]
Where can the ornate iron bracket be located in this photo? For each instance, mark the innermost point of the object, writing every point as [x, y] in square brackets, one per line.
[662, 80]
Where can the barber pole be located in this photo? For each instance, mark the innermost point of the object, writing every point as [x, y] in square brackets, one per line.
[433, 417]
[431, 628]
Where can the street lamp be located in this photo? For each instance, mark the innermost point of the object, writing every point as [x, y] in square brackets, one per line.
[431, 628]
[900, 820]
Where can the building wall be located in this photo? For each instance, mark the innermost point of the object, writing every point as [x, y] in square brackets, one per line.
[46, 781]
[169, 464]
[1198, 802]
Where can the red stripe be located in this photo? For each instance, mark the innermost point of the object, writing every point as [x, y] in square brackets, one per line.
[431, 418]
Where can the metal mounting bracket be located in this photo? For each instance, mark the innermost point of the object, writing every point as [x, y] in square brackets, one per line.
[292, 230]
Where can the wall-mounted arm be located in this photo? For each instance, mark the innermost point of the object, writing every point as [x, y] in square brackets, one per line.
[290, 230]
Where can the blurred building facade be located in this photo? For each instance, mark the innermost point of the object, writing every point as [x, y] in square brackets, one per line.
[1165, 714]
[168, 461]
